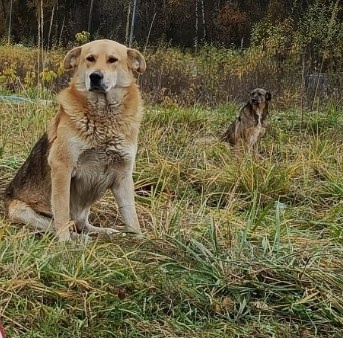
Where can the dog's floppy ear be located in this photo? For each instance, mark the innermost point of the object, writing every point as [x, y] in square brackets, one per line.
[136, 60]
[71, 60]
[268, 96]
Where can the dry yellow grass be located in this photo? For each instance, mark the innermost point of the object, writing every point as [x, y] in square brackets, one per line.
[234, 247]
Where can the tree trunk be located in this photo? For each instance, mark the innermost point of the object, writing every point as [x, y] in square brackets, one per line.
[90, 16]
[42, 24]
[61, 32]
[40, 21]
[43, 59]
[133, 21]
[203, 19]
[148, 36]
[38, 35]
[4, 8]
[127, 29]
[50, 26]
[196, 26]
[10, 23]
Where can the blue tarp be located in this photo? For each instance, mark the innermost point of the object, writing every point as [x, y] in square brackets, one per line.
[19, 99]
[15, 99]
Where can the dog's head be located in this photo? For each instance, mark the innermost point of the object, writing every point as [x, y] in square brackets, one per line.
[259, 97]
[102, 65]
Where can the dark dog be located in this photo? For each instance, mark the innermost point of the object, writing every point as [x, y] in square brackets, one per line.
[249, 126]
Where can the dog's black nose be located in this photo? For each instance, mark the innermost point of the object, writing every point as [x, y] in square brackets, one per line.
[96, 78]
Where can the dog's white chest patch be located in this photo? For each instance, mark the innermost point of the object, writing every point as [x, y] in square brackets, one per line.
[255, 133]
[259, 121]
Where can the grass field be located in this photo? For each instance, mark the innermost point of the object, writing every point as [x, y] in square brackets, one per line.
[233, 248]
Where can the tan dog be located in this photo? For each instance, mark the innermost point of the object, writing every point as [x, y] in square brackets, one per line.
[248, 128]
[89, 147]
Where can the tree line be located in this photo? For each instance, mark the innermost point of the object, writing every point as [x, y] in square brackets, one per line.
[181, 23]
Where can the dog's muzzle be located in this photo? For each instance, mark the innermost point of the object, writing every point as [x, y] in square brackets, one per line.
[96, 82]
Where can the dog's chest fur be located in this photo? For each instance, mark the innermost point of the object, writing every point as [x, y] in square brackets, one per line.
[259, 118]
[97, 169]
[103, 126]
[107, 123]
[105, 142]
[99, 162]
[258, 130]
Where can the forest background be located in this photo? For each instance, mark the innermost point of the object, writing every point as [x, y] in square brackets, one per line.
[198, 51]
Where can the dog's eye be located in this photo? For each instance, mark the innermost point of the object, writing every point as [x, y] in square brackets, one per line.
[90, 58]
[112, 59]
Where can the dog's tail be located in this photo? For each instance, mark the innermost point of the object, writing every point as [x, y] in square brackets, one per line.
[230, 134]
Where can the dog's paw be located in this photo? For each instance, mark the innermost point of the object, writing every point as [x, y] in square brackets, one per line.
[81, 238]
[135, 235]
[64, 236]
[110, 231]
[102, 231]
[133, 232]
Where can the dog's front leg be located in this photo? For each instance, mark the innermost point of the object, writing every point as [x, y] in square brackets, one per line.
[61, 170]
[123, 191]
[60, 199]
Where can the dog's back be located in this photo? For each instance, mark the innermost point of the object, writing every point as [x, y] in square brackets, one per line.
[230, 133]
[32, 181]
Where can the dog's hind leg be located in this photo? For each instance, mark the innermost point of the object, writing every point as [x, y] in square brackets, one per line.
[20, 212]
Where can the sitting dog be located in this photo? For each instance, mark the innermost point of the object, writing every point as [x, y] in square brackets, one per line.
[249, 126]
[89, 147]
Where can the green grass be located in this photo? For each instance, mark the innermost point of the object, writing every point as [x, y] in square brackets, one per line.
[234, 247]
